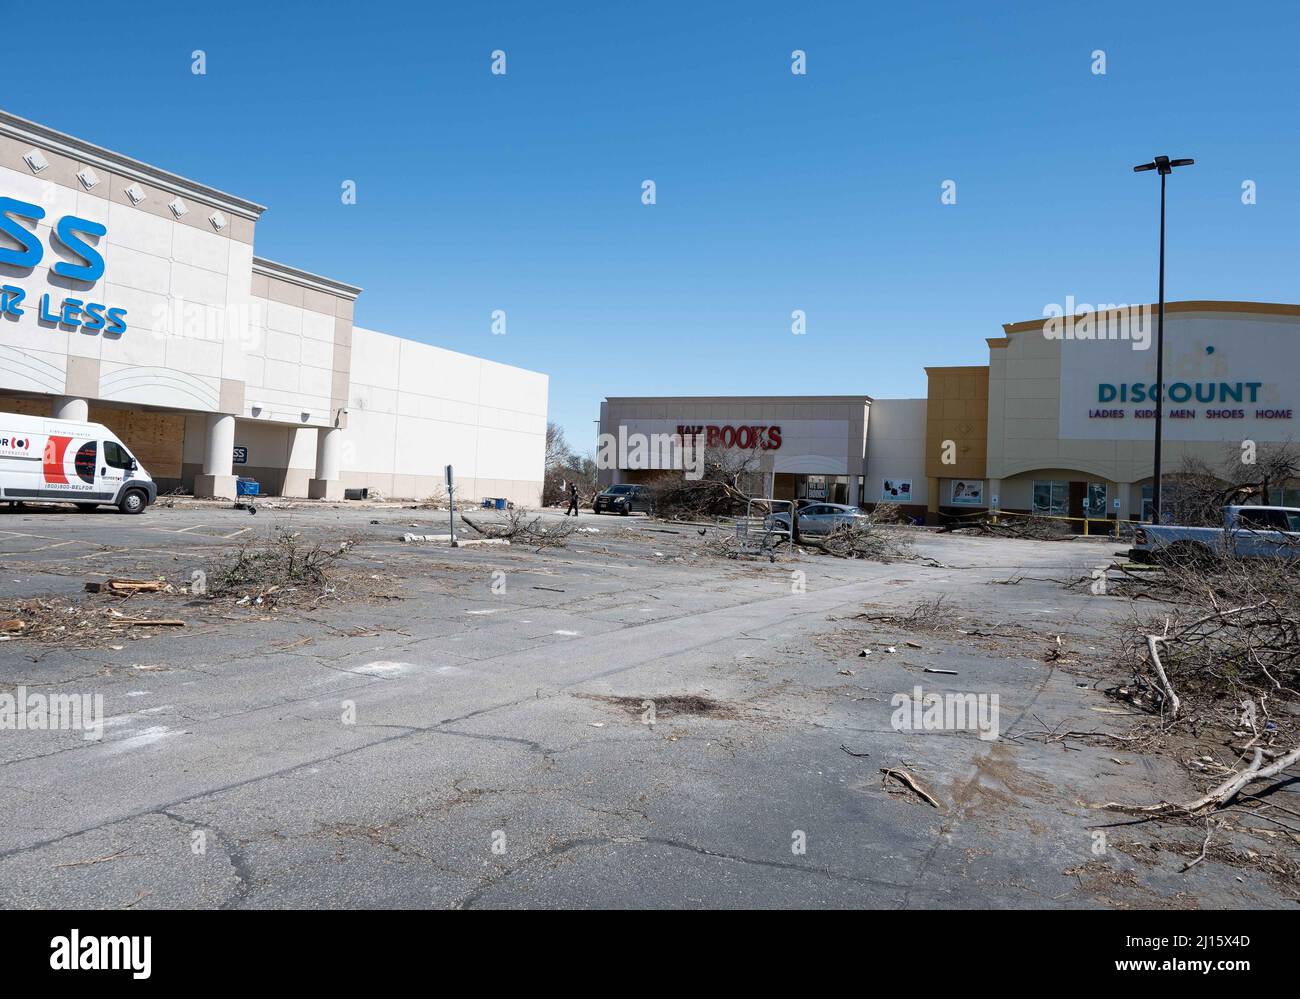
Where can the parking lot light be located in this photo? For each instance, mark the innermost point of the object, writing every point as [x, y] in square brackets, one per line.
[1165, 166]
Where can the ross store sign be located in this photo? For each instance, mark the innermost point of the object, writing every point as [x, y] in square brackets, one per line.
[74, 313]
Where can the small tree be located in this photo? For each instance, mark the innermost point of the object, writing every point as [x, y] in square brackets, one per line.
[558, 457]
[1200, 489]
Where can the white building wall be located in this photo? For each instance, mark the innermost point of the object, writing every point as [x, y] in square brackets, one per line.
[177, 282]
[415, 408]
[288, 364]
[211, 329]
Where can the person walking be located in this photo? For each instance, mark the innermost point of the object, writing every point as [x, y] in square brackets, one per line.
[573, 500]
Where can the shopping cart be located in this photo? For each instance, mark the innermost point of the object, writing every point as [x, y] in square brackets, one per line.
[245, 490]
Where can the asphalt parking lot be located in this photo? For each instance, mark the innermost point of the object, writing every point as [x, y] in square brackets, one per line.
[618, 722]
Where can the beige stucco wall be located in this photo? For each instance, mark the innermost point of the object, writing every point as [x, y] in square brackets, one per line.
[1204, 343]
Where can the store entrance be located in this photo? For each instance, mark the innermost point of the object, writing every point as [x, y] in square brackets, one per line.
[815, 488]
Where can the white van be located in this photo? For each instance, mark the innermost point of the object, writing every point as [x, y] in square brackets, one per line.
[63, 461]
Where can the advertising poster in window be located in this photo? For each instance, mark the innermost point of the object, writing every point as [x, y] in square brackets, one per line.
[896, 491]
[967, 492]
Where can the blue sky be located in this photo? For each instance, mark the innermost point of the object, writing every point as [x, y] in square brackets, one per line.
[775, 192]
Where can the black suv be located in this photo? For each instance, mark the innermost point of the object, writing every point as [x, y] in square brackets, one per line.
[624, 499]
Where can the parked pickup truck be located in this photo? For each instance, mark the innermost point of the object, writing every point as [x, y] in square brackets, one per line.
[1248, 531]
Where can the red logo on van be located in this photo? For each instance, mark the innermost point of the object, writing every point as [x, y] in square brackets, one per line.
[55, 447]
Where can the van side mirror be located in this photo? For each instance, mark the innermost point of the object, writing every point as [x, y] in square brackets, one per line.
[135, 465]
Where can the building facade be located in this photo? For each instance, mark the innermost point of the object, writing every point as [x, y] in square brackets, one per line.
[1058, 423]
[1068, 424]
[133, 297]
[840, 449]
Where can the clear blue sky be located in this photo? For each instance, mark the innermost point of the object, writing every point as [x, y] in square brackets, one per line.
[775, 192]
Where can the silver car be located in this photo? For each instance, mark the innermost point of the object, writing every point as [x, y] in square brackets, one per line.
[823, 518]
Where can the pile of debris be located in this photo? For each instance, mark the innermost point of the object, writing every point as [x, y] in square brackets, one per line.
[1218, 662]
[1002, 526]
[439, 500]
[518, 529]
[281, 569]
[50, 621]
[874, 543]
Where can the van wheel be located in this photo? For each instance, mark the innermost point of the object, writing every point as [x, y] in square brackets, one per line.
[132, 502]
[87, 507]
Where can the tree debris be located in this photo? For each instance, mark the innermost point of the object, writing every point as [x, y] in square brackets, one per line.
[517, 528]
[911, 783]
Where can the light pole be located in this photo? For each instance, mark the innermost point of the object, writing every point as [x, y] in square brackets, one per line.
[1166, 166]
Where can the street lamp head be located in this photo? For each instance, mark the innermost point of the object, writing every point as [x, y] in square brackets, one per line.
[1164, 164]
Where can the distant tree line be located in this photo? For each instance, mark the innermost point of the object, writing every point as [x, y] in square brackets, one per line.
[563, 466]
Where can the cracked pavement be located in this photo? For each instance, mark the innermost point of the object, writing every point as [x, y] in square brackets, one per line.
[460, 747]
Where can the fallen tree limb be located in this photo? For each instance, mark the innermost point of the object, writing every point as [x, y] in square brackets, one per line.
[1219, 796]
[1209, 831]
[1166, 687]
[910, 782]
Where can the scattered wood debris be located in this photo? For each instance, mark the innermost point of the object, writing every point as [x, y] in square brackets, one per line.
[911, 783]
[130, 586]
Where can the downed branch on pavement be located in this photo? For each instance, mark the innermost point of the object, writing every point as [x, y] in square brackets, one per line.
[1205, 847]
[877, 544]
[1168, 694]
[1229, 633]
[283, 568]
[1222, 662]
[911, 783]
[518, 529]
[1218, 796]
[1033, 527]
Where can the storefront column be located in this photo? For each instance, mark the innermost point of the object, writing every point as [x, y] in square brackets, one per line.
[931, 500]
[329, 447]
[1120, 491]
[854, 496]
[217, 480]
[994, 493]
[71, 408]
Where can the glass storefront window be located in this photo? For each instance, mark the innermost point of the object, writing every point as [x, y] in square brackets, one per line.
[813, 487]
[1051, 497]
[1095, 506]
[1284, 497]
